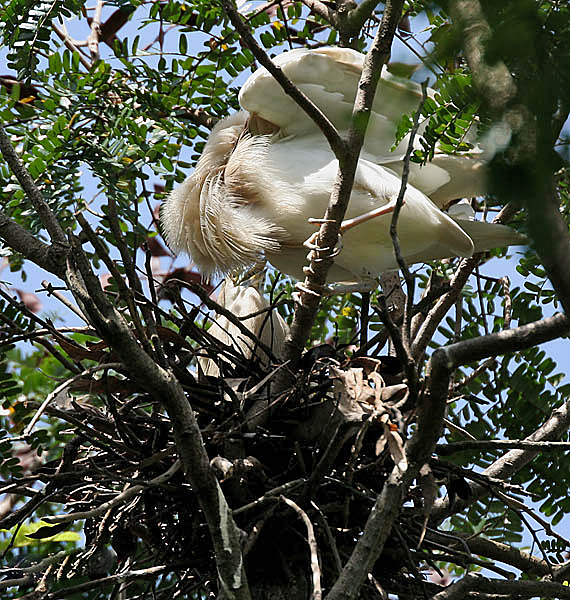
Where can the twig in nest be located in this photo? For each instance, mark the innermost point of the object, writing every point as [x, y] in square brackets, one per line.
[315, 568]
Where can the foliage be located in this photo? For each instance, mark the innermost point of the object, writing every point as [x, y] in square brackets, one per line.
[106, 134]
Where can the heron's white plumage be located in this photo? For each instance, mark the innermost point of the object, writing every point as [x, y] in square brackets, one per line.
[268, 326]
[267, 169]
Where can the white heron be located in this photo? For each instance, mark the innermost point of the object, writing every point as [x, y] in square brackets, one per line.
[268, 169]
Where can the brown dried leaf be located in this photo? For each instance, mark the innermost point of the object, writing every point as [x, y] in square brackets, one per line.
[396, 449]
[429, 491]
[78, 352]
[367, 363]
[378, 388]
[168, 335]
[380, 444]
[356, 396]
[394, 393]
[188, 276]
[108, 384]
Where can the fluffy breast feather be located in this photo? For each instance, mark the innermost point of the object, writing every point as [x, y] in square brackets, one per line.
[221, 215]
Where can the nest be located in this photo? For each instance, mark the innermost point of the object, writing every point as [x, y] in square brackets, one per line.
[300, 470]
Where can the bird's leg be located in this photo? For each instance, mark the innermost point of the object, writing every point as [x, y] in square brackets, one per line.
[372, 214]
[315, 249]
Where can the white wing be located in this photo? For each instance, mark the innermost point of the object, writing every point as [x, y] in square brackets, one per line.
[337, 71]
[307, 171]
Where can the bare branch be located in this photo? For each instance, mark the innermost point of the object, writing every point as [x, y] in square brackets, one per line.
[71, 45]
[444, 360]
[351, 23]
[521, 589]
[490, 445]
[165, 389]
[439, 311]
[95, 33]
[337, 144]
[495, 550]
[51, 258]
[315, 569]
[60, 388]
[121, 498]
[340, 196]
[321, 9]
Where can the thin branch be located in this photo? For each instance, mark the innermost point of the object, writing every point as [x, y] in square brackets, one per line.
[315, 569]
[59, 296]
[47, 217]
[270, 495]
[60, 388]
[337, 144]
[41, 341]
[438, 312]
[97, 584]
[213, 305]
[72, 45]
[197, 116]
[409, 279]
[121, 498]
[490, 445]
[164, 388]
[518, 506]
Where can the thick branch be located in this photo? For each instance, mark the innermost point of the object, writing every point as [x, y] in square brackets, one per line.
[532, 150]
[497, 551]
[322, 10]
[550, 235]
[321, 260]
[490, 445]
[30, 247]
[520, 589]
[164, 387]
[356, 17]
[508, 340]
[430, 413]
[444, 360]
[494, 82]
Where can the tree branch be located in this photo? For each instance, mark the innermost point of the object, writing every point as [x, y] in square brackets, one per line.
[354, 20]
[328, 235]
[532, 151]
[28, 245]
[33, 193]
[337, 144]
[165, 389]
[444, 360]
[436, 314]
[490, 445]
[321, 10]
[495, 550]
[521, 589]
